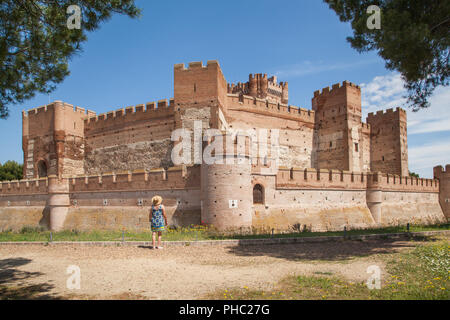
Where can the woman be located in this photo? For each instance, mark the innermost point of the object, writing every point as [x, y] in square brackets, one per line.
[158, 220]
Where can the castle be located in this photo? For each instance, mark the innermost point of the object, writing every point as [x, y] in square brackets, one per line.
[87, 171]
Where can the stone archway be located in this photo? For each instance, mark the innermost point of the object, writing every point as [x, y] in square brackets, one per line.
[42, 169]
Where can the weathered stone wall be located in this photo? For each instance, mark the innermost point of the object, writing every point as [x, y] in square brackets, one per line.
[286, 208]
[135, 138]
[110, 201]
[410, 207]
[130, 210]
[23, 204]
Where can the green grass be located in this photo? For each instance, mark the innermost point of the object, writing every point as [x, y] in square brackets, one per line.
[420, 274]
[188, 234]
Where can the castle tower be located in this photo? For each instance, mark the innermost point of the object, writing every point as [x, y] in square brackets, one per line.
[258, 85]
[284, 92]
[226, 187]
[338, 135]
[199, 84]
[444, 188]
[388, 140]
[200, 93]
[53, 140]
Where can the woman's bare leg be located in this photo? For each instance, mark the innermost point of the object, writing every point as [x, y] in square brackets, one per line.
[154, 239]
[159, 238]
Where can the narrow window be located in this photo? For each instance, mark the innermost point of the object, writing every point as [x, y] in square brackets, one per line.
[331, 144]
[356, 147]
[382, 158]
[195, 87]
[258, 194]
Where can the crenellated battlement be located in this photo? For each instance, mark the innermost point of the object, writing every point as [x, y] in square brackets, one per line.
[151, 110]
[196, 65]
[22, 187]
[310, 178]
[389, 113]
[254, 104]
[335, 88]
[439, 172]
[393, 182]
[338, 179]
[181, 177]
[51, 107]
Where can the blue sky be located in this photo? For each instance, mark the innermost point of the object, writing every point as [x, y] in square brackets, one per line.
[128, 62]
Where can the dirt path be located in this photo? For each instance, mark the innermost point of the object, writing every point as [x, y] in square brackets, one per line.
[181, 272]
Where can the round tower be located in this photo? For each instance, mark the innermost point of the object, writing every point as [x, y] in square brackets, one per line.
[285, 93]
[252, 85]
[264, 86]
[58, 201]
[226, 183]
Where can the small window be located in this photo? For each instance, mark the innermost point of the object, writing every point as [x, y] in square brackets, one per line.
[42, 169]
[331, 144]
[382, 158]
[356, 147]
[195, 87]
[258, 194]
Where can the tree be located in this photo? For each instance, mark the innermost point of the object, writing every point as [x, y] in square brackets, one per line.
[11, 170]
[413, 39]
[36, 42]
[413, 174]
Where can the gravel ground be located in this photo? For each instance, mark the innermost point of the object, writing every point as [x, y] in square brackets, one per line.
[181, 272]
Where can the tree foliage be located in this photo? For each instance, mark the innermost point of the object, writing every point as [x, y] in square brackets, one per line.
[413, 174]
[11, 170]
[36, 44]
[413, 39]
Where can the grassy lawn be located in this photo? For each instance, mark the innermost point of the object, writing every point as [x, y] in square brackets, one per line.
[193, 233]
[422, 273]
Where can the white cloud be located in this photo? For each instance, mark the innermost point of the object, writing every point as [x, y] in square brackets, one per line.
[422, 159]
[385, 92]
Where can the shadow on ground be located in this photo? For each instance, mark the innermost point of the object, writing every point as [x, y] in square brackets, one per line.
[329, 250]
[12, 282]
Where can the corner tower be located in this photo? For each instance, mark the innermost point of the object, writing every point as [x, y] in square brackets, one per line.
[444, 188]
[53, 140]
[388, 141]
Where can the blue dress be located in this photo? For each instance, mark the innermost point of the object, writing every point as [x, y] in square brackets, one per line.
[157, 221]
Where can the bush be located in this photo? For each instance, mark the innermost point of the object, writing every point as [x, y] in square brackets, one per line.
[11, 170]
